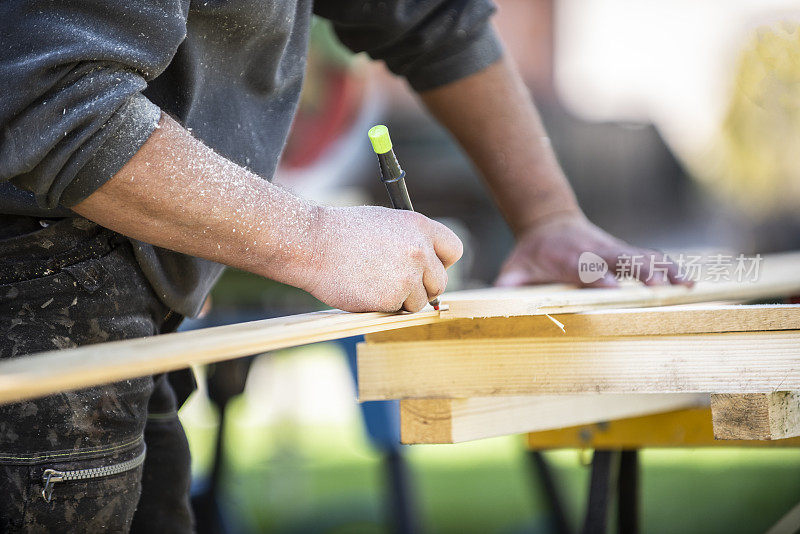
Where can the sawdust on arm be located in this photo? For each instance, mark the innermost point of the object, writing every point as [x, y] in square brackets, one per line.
[179, 194]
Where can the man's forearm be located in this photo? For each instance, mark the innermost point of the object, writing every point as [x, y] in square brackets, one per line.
[492, 116]
[179, 194]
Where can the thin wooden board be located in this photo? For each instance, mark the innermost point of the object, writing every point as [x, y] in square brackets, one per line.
[60, 370]
[691, 319]
[779, 277]
[751, 362]
[683, 428]
[458, 420]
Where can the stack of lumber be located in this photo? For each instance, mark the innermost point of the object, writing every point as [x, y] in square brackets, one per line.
[514, 361]
[474, 378]
[506, 361]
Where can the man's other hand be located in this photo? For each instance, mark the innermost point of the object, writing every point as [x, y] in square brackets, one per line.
[551, 252]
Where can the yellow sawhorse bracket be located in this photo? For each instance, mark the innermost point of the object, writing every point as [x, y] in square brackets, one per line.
[682, 428]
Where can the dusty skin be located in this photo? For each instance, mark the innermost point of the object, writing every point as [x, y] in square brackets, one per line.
[179, 194]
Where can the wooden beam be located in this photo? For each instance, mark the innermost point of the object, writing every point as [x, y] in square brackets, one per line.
[751, 362]
[779, 276]
[457, 420]
[684, 428]
[687, 319]
[756, 415]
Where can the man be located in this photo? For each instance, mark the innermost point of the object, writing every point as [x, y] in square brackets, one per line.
[90, 152]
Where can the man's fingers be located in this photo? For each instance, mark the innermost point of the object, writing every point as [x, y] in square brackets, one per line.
[434, 278]
[671, 272]
[434, 281]
[606, 281]
[446, 244]
[416, 300]
[653, 272]
[653, 268]
[676, 276]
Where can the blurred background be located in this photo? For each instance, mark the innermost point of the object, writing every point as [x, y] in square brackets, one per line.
[678, 124]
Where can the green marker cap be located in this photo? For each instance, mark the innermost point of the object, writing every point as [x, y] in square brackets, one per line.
[379, 137]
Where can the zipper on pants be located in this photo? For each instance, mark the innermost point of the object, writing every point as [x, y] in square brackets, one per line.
[52, 476]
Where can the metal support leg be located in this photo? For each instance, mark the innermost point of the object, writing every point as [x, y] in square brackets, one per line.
[602, 487]
[628, 496]
[542, 474]
[403, 515]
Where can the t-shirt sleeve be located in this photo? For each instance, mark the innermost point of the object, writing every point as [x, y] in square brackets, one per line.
[429, 42]
[72, 112]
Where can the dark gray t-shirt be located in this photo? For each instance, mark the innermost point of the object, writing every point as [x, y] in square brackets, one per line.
[84, 82]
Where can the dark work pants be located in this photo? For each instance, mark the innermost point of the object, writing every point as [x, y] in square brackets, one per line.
[63, 284]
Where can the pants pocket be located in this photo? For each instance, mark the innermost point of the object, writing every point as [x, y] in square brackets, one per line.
[94, 475]
[97, 494]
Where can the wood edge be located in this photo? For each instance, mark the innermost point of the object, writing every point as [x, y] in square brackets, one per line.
[756, 416]
[426, 421]
[784, 417]
[669, 320]
[740, 416]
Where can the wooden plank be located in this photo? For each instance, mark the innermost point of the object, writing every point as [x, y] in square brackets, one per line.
[54, 371]
[756, 415]
[61, 370]
[691, 319]
[779, 276]
[752, 362]
[684, 428]
[458, 420]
